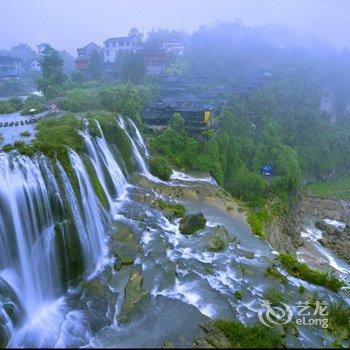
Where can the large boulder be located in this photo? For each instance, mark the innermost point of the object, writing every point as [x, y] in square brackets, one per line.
[124, 245]
[217, 239]
[133, 294]
[192, 223]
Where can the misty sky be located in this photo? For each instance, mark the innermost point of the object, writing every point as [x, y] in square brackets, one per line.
[68, 24]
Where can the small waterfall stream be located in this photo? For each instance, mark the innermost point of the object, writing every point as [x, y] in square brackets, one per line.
[138, 157]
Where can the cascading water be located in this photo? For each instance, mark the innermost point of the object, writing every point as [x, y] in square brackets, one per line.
[28, 248]
[29, 261]
[138, 157]
[92, 226]
[139, 137]
[106, 166]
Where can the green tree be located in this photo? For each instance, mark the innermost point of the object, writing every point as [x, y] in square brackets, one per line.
[123, 98]
[132, 68]
[177, 123]
[95, 67]
[52, 80]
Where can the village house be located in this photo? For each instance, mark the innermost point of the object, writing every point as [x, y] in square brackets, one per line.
[113, 47]
[198, 115]
[82, 62]
[155, 61]
[10, 67]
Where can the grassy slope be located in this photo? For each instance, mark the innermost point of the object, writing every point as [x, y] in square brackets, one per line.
[339, 188]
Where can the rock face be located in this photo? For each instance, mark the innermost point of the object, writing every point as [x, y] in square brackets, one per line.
[217, 239]
[192, 223]
[213, 338]
[125, 246]
[335, 239]
[133, 294]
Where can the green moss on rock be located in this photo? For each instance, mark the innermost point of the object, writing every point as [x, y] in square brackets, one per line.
[171, 210]
[294, 267]
[192, 223]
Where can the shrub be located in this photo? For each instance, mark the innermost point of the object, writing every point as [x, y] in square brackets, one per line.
[7, 148]
[56, 133]
[12, 105]
[302, 271]
[160, 167]
[256, 221]
[339, 320]
[274, 296]
[25, 133]
[238, 294]
[78, 100]
[242, 336]
[34, 102]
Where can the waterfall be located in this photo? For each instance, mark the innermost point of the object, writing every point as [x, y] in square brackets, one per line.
[139, 159]
[91, 221]
[107, 168]
[29, 255]
[139, 137]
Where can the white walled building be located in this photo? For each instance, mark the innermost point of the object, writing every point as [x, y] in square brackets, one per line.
[114, 46]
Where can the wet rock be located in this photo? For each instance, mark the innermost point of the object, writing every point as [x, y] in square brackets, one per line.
[133, 294]
[217, 239]
[125, 245]
[170, 210]
[246, 253]
[98, 300]
[122, 258]
[213, 338]
[328, 229]
[192, 223]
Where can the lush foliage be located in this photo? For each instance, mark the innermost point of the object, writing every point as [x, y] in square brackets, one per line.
[160, 167]
[339, 320]
[51, 82]
[34, 102]
[302, 271]
[338, 188]
[242, 336]
[132, 68]
[123, 98]
[12, 105]
[78, 100]
[55, 134]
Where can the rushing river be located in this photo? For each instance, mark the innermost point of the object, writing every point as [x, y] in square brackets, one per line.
[58, 283]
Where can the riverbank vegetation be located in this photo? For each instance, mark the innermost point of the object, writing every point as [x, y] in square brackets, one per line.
[243, 336]
[300, 270]
[337, 189]
[14, 104]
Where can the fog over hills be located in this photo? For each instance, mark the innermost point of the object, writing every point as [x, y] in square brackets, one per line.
[70, 24]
